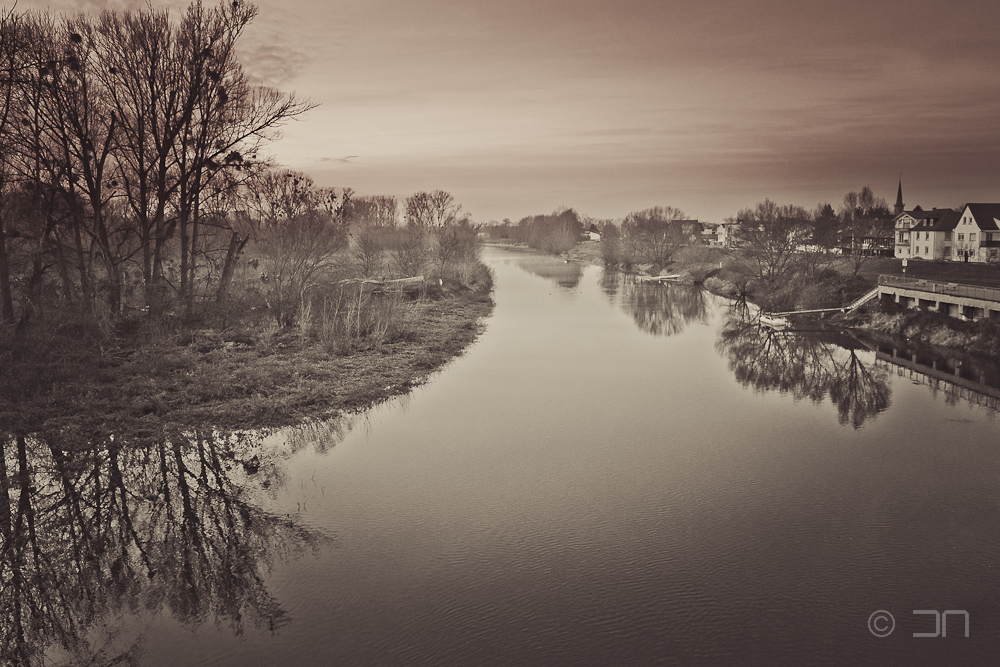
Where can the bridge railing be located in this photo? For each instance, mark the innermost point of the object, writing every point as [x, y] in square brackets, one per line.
[943, 288]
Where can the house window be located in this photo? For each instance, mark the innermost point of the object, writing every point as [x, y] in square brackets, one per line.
[972, 237]
[961, 237]
[947, 236]
[927, 250]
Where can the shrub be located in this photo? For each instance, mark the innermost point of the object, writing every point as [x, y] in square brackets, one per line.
[343, 317]
[409, 251]
[717, 285]
[454, 243]
[701, 273]
[368, 248]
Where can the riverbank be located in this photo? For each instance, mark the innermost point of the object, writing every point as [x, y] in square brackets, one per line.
[927, 328]
[157, 377]
[717, 270]
[723, 272]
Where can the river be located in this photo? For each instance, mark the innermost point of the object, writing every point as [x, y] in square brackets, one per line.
[613, 474]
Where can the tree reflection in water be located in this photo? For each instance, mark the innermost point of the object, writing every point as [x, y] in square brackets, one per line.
[609, 282]
[811, 366]
[94, 528]
[563, 273]
[662, 309]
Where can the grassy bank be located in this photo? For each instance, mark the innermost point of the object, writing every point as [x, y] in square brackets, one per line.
[927, 328]
[239, 371]
[724, 272]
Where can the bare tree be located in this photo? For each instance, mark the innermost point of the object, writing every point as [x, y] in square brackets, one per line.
[455, 242]
[13, 49]
[556, 233]
[374, 210]
[656, 233]
[185, 111]
[279, 195]
[769, 236]
[409, 250]
[298, 239]
[77, 129]
[428, 210]
[370, 243]
[865, 223]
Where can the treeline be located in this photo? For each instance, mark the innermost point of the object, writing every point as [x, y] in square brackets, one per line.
[125, 137]
[651, 236]
[777, 238]
[313, 245]
[132, 177]
[555, 233]
[785, 257]
[773, 239]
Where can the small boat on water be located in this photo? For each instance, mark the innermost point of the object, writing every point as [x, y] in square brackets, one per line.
[659, 279]
[773, 321]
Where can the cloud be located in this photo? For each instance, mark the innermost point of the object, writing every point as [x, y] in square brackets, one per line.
[97, 6]
[271, 63]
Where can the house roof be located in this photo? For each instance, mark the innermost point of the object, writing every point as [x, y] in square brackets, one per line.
[936, 220]
[917, 214]
[986, 215]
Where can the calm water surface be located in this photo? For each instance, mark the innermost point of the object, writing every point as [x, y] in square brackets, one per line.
[614, 474]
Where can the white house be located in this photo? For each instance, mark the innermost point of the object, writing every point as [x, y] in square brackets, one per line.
[902, 224]
[977, 235]
[727, 232]
[931, 237]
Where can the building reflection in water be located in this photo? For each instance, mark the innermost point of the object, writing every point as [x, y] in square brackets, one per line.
[975, 381]
[97, 527]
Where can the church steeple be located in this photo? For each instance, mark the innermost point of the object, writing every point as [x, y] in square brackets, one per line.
[898, 208]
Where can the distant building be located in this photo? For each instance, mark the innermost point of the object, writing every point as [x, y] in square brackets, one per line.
[692, 229]
[710, 233]
[977, 234]
[727, 233]
[875, 239]
[932, 236]
[902, 224]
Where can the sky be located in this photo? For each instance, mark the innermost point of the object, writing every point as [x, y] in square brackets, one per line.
[518, 107]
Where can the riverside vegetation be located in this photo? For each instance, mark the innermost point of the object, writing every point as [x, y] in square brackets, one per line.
[156, 268]
[783, 258]
[265, 356]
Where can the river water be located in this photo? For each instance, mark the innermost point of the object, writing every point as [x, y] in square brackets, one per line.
[613, 474]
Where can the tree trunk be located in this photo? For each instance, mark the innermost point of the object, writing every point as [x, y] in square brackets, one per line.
[114, 288]
[83, 268]
[193, 264]
[236, 246]
[5, 513]
[183, 224]
[6, 298]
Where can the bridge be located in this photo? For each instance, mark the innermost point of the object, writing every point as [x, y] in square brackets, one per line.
[955, 299]
[854, 305]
